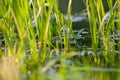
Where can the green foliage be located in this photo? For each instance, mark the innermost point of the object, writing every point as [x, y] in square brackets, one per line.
[29, 50]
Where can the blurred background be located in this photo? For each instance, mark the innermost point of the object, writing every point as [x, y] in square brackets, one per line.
[77, 5]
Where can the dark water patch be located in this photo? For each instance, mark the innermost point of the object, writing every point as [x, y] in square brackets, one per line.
[78, 5]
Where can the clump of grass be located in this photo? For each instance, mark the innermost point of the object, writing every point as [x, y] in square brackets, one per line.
[28, 30]
[101, 25]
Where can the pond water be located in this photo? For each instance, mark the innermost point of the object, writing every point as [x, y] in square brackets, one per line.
[77, 5]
